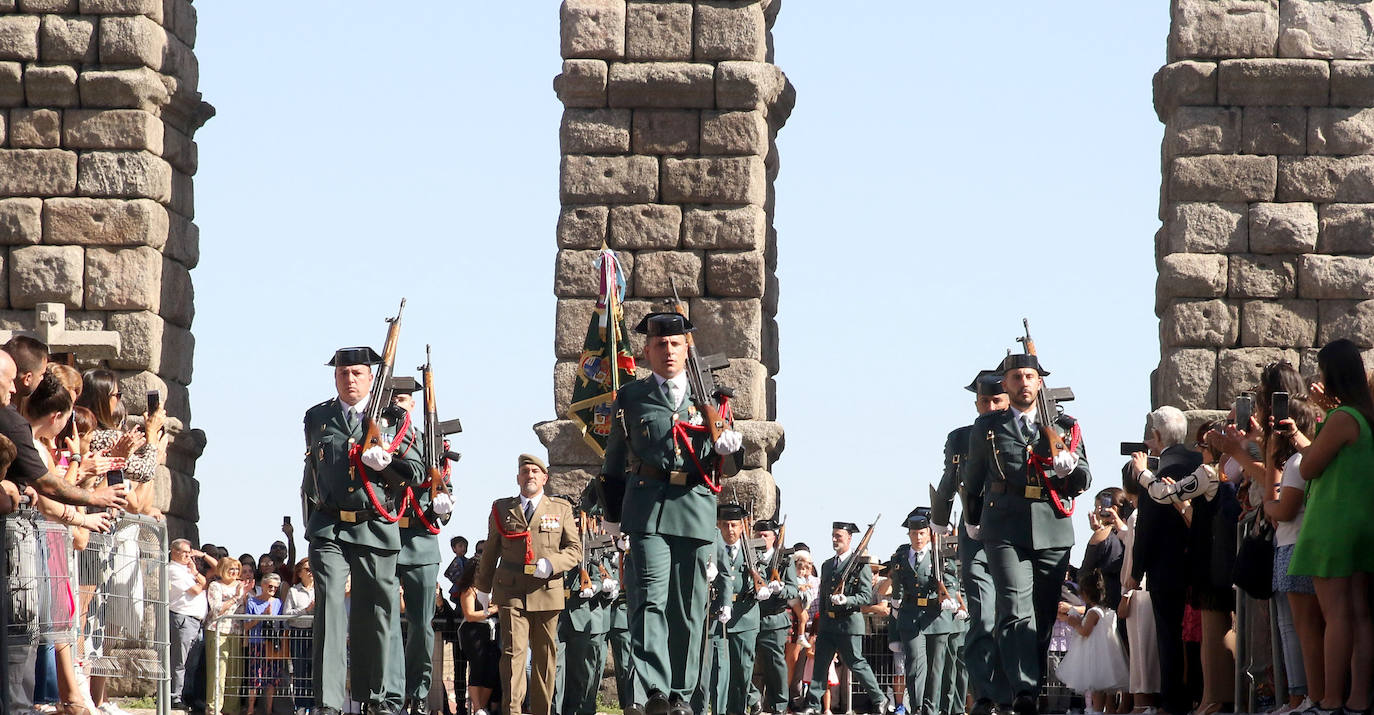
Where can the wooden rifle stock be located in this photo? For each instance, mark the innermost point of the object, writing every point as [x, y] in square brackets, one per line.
[584, 579]
[1042, 405]
[852, 565]
[775, 565]
[372, 434]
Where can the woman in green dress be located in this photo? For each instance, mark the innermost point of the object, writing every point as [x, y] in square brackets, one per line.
[1336, 544]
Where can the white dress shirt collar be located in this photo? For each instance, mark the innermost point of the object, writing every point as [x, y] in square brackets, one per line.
[356, 409]
[528, 500]
[679, 382]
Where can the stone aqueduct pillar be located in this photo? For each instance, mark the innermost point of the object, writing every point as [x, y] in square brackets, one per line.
[670, 114]
[98, 106]
[1267, 247]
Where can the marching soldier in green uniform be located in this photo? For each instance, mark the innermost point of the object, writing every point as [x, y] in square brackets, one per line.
[657, 486]
[348, 508]
[955, 689]
[774, 619]
[417, 569]
[981, 658]
[582, 629]
[739, 612]
[1019, 502]
[924, 619]
[840, 626]
[627, 687]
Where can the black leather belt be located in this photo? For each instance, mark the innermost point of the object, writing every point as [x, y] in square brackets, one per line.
[676, 478]
[350, 517]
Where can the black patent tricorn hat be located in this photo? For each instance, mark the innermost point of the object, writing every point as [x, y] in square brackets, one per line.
[657, 325]
[988, 383]
[344, 357]
[1017, 361]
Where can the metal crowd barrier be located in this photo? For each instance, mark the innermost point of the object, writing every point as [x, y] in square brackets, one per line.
[260, 655]
[109, 600]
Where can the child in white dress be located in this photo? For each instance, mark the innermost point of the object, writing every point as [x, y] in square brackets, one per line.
[1096, 663]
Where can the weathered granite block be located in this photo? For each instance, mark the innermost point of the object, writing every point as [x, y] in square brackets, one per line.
[583, 226]
[582, 83]
[729, 30]
[20, 221]
[736, 228]
[125, 174]
[593, 29]
[67, 39]
[1188, 377]
[608, 179]
[595, 131]
[1346, 228]
[35, 128]
[1274, 130]
[123, 279]
[1283, 228]
[19, 37]
[661, 85]
[1184, 83]
[1199, 323]
[716, 180]
[740, 133]
[641, 226]
[1204, 130]
[1326, 29]
[575, 272]
[1207, 228]
[1326, 179]
[658, 31]
[1352, 83]
[1352, 319]
[1238, 370]
[105, 222]
[657, 271]
[1260, 276]
[1335, 276]
[1333, 130]
[37, 172]
[1222, 177]
[50, 85]
[45, 274]
[1274, 82]
[734, 322]
[1224, 28]
[735, 274]
[666, 131]
[1278, 323]
[1193, 275]
[138, 88]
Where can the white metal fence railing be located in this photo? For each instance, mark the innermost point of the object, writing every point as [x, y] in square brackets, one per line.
[108, 600]
[267, 657]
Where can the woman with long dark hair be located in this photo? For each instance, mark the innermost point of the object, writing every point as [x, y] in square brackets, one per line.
[1336, 544]
[477, 636]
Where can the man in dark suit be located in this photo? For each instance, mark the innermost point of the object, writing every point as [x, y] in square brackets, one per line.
[1161, 543]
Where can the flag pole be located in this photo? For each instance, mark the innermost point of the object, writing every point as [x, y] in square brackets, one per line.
[613, 325]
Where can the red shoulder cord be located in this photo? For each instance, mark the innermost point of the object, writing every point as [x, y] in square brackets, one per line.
[414, 502]
[529, 541]
[1039, 462]
[680, 433]
[355, 455]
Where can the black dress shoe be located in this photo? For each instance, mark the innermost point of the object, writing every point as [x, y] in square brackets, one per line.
[985, 706]
[634, 709]
[1025, 704]
[678, 706]
[656, 703]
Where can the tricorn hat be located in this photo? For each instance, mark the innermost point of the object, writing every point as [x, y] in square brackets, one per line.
[659, 324]
[344, 357]
[403, 385]
[919, 518]
[730, 512]
[1016, 361]
[987, 383]
[765, 525]
[849, 526]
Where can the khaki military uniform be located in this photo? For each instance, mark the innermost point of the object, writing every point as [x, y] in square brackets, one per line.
[528, 606]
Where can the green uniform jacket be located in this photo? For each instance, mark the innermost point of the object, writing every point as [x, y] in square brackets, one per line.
[956, 452]
[642, 432]
[735, 588]
[846, 619]
[330, 484]
[997, 475]
[773, 611]
[919, 596]
[418, 546]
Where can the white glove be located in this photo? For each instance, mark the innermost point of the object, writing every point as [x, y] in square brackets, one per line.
[587, 592]
[1065, 462]
[838, 599]
[949, 604]
[608, 585]
[711, 571]
[974, 531]
[729, 442]
[724, 616]
[443, 504]
[944, 530]
[543, 569]
[775, 586]
[376, 458]
[961, 615]
[484, 598]
[622, 541]
[612, 528]
[613, 591]
[764, 593]
[895, 646]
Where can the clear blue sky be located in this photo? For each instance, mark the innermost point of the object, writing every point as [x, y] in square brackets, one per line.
[949, 169]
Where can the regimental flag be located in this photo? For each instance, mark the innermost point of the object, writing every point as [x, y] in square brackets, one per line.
[597, 383]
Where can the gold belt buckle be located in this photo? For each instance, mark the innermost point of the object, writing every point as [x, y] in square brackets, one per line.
[1032, 492]
[348, 516]
[922, 602]
[529, 569]
[403, 522]
[677, 479]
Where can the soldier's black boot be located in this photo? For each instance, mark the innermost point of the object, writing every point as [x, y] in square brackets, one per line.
[656, 704]
[984, 706]
[1025, 704]
[678, 706]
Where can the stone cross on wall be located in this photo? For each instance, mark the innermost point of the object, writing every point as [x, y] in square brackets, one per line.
[670, 114]
[1267, 248]
[98, 108]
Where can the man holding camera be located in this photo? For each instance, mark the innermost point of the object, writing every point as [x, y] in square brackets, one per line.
[349, 508]
[1020, 492]
[1161, 540]
[989, 682]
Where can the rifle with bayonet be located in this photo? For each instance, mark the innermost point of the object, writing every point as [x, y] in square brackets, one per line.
[437, 453]
[706, 395]
[372, 433]
[775, 563]
[851, 566]
[584, 579]
[1046, 410]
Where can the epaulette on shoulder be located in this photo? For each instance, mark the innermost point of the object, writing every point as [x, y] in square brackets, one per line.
[318, 408]
[959, 431]
[564, 499]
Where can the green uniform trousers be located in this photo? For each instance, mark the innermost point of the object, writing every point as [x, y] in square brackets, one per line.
[985, 672]
[849, 648]
[710, 692]
[769, 653]
[955, 687]
[924, 658]
[739, 675]
[667, 599]
[584, 656]
[373, 616]
[626, 684]
[1028, 583]
[417, 588]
